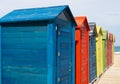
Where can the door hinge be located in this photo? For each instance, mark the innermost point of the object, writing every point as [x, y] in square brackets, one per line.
[58, 79]
[58, 53]
[56, 28]
[58, 32]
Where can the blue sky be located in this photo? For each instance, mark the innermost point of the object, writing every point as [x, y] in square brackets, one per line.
[105, 13]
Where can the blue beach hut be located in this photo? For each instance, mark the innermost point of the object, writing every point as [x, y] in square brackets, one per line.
[92, 51]
[38, 46]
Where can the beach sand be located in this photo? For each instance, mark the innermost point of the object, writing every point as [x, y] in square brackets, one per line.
[112, 75]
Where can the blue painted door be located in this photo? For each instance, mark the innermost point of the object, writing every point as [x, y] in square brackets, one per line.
[92, 58]
[64, 54]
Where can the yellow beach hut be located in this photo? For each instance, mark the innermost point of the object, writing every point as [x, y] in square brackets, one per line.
[99, 56]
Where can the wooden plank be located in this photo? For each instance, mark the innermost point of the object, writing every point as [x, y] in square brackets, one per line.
[112, 75]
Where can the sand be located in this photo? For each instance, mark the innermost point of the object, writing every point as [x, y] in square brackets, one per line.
[112, 75]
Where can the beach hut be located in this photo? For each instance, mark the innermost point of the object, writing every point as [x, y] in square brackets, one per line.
[109, 50]
[92, 51]
[82, 50]
[113, 48]
[104, 48]
[99, 56]
[38, 46]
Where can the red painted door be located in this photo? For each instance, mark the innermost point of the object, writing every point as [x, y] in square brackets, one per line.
[82, 37]
[84, 56]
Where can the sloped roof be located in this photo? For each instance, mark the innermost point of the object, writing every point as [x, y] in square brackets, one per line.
[99, 30]
[92, 26]
[110, 36]
[37, 14]
[105, 34]
[80, 20]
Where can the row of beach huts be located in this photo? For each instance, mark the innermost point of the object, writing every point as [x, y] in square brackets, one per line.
[50, 46]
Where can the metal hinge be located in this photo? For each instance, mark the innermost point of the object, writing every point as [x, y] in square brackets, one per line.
[58, 53]
[58, 79]
[58, 32]
[56, 28]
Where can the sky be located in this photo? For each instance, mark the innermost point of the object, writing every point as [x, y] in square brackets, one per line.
[105, 13]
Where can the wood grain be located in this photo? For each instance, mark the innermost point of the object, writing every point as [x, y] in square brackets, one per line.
[112, 75]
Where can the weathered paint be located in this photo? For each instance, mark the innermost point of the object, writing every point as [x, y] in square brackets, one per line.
[113, 48]
[82, 50]
[99, 57]
[104, 48]
[38, 14]
[92, 51]
[36, 50]
[111, 43]
[109, 50]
